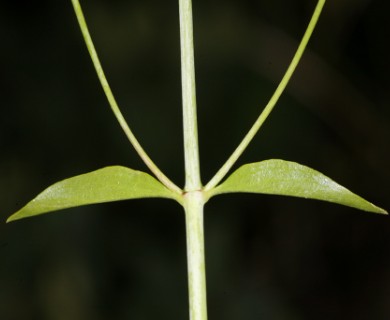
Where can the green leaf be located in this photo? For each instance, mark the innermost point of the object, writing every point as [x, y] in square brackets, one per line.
[287, 178]
[104, 185]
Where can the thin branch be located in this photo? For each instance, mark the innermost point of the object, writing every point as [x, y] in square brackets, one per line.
[271, 104]
[113, 104]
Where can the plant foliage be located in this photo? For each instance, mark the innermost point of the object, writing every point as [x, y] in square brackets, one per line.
[286, 178]
[113, 183]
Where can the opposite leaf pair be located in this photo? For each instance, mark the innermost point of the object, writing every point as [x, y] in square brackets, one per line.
[117, 183]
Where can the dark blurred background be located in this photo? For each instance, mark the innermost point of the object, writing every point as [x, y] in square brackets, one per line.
[268, 257]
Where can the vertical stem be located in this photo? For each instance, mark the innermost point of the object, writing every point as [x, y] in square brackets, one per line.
[190, 130]
[193, 198]
[193, 205]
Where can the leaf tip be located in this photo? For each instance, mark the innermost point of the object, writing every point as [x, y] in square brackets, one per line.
[10, 219]
[14, 217]
[381, 211]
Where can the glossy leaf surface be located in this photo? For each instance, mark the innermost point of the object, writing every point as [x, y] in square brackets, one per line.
[287, 178]
[104, 185]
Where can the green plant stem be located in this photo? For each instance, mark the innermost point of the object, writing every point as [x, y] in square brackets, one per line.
[271, 104]
[193, 205]
[190, 130]
[113, 104]
[193, 198]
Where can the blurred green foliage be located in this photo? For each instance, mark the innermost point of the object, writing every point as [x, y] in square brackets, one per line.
[267, 257]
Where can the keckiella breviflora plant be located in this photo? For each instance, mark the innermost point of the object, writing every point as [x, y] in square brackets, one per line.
[116, 183]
